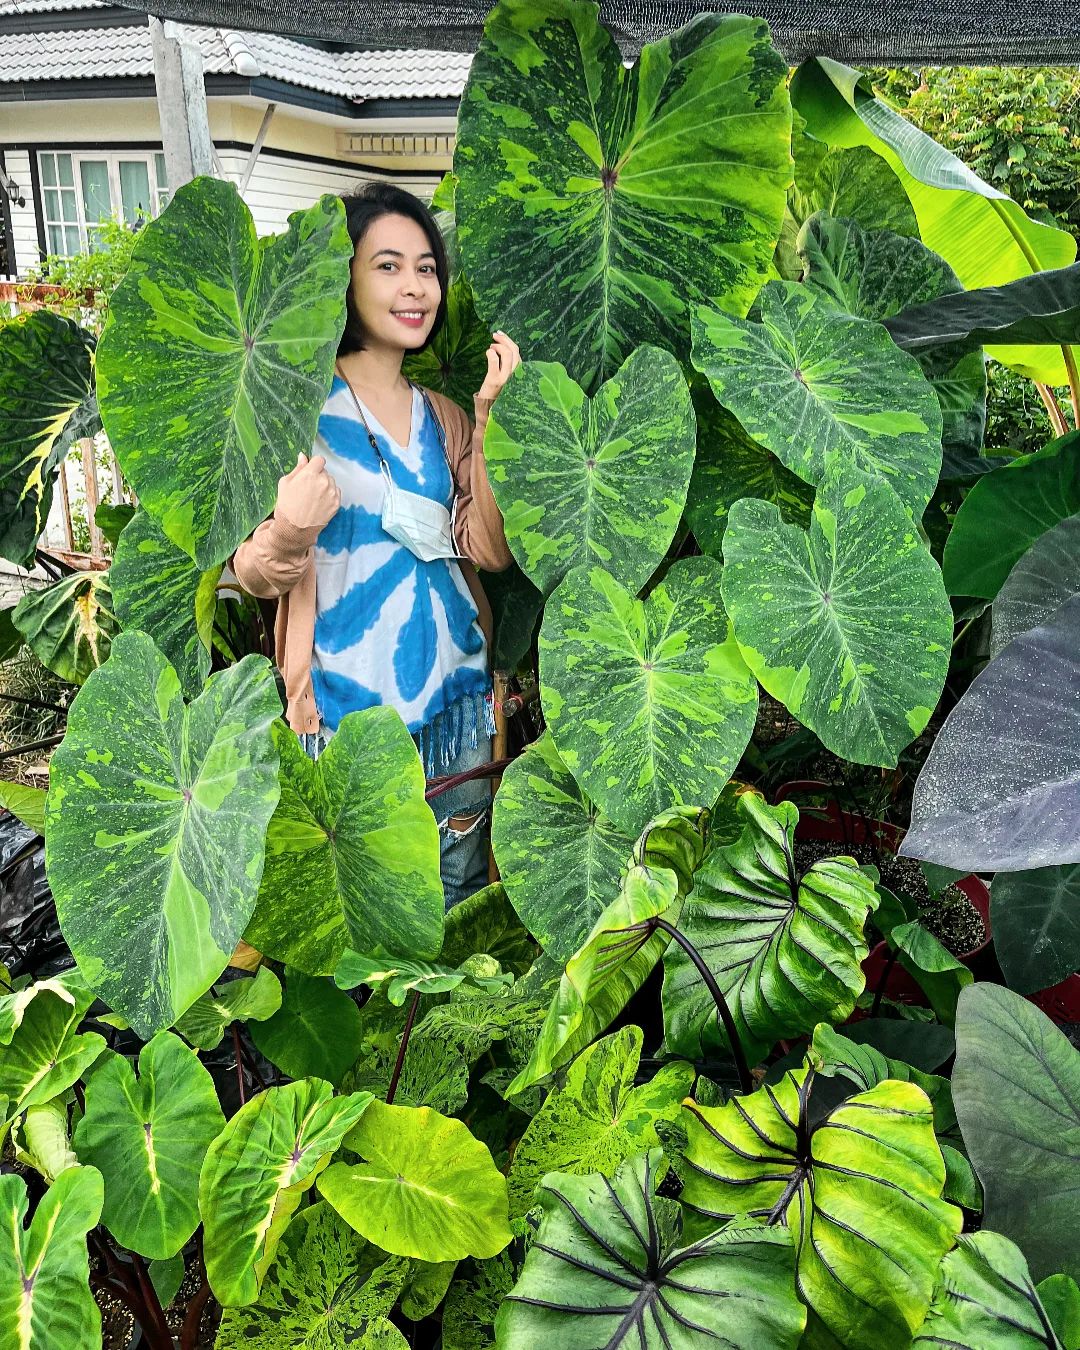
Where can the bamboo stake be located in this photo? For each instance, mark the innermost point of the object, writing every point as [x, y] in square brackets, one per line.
[1057, 417]
[500, 688]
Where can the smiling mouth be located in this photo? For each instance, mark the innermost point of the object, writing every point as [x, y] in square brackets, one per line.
[414, 315]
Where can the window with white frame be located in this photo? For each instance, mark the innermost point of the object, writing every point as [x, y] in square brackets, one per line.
[79, 190]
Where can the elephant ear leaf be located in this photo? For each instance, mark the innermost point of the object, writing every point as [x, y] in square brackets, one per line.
[612, 1247]
[455, 363]
[649, 702]
[324, 1275]
[848, 624]
[600, 480]
[352, 852]
[148, 1138]
[45, 1298]
[623, 946]
[860, 1193]
[209, 1017]
[836, 383]
[1042, 581]
[46, 373]
[45, 1053]
[985, 1298]
[255, 1175]
[69, 626]
[426, 1188]
[159, 590]
[155, 825]
[217, 357]
[786, 949]
[633, 192]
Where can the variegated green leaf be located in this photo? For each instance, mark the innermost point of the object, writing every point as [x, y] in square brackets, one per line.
[217, 357]
[425, 1189]
[559, 856]
[69, 626]
[634, 193]
[860, 1192]
[155, 826]
[607, 1268]
[786, 949]
[147, 1138]
[847, 625]
[46, 365]
[874, 274]
[70, 987]
[159, 590]
[45, 1298]
[315, 1033]
[600, 480]
[256, 1172]
[730, 465]
[598, 1118]
[242, 1000]
[649, 702]
[326, 1290]
[809, 379]
[352, 852]
[456, 362]
[45, 1054]
[986, 1300]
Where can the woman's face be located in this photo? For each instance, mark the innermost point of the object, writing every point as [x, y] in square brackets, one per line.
[394, 283]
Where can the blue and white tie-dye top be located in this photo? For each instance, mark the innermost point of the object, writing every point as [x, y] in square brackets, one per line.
[390, 628]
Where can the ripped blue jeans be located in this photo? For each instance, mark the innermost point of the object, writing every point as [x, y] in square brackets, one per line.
[463, 815]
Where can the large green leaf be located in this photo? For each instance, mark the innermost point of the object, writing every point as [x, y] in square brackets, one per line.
[730, 465]
[515, 608]
[1045, 577]
[598, 1118]
[70, 987]
[241, 1000]
[835, 382]
[986, 1300]
[860, 1192]
[256, 1172]
[786, 949]
[426, 1189]
[601, 480]
[155, 826]
[485, 924]
[606, 1268]
[69, 626]
[634, 193]
[46, 367]
[45, 1298]
[649, 702]
[25, 803]
[998, 791]
[856, 184]
[559, 856]
[147, 1138]
[44, 1055]
[473, 1302]
[933, 967]
[1016, 1086]
[874, 274]
[352, 852]
[10, 637]
[159, 590]
[456, 362]
[1013, 506]
[323, 1292]
[1035, 918]
[217, 357]
[611, 965]
[316, 1031]
[848, 625]
[986, 238]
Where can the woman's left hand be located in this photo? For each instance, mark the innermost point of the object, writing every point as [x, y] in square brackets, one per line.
[503, 358]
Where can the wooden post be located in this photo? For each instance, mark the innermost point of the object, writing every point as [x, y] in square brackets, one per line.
[181, 99]
[89, 463]
[500, 682]
[65, 502]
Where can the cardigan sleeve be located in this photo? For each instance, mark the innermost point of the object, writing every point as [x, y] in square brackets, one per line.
[274, 559]
[479, 532]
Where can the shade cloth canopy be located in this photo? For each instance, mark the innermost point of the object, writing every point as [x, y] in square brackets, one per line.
[859, 32]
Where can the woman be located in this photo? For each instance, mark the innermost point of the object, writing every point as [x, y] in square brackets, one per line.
[362, 619]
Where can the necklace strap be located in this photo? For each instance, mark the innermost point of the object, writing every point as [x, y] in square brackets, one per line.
[375, 444]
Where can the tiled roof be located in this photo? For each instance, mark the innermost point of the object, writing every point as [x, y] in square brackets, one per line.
[103, 53]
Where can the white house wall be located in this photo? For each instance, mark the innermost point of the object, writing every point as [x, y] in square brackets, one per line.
[23, 221]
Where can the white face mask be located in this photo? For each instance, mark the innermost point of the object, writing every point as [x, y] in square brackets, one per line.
[424, 526]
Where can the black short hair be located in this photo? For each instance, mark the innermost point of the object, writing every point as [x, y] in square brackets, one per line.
[365, 205]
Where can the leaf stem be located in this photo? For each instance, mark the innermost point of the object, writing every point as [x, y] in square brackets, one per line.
[405, 1034]
[745, 1081]
[153, 1303]
[1057, 417]
[239, 1062]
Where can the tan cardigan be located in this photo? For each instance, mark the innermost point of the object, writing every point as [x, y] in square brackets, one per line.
[279, 560]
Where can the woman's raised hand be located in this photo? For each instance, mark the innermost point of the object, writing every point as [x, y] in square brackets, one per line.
[307, 496]
[502, 357]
